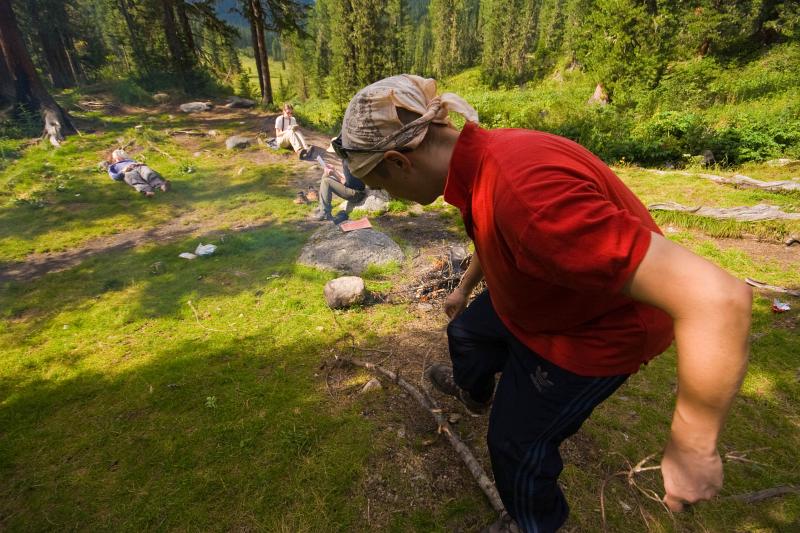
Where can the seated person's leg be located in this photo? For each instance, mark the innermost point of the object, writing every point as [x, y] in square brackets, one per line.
[300, 139]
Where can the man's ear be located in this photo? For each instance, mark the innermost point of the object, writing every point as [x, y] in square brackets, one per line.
[394, 159]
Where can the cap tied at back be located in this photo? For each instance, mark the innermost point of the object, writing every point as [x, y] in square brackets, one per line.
[371, 122]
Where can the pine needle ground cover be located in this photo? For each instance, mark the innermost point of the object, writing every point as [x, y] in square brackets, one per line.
[140, 391]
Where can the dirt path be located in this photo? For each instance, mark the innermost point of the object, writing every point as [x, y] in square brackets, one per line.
[245, 122]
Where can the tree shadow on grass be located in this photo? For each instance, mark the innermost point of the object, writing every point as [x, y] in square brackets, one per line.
[201, 435]
[155, 281]
[97, 205]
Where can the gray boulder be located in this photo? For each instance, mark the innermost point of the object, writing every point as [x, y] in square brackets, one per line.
[195, 107]
[238, 141]
[373, 202]
[344, 292]
[161, 98]
[329, 248]
[235, 102]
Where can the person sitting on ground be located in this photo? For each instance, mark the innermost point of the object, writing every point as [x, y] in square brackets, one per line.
[583, 289]
[287, 132]
[342, 184]
[138, 175]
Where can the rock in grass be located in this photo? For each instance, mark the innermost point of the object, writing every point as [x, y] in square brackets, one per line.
[195, 107]
[235, 102]
[373, 202]
[238, 141]
[371, 385]
[161, 98]
[329, 248]
[344, 292]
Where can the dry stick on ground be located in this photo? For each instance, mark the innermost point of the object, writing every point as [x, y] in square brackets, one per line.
[160, 151]
[467, 456]
[759, 495]
[773, 288]
[732, 456]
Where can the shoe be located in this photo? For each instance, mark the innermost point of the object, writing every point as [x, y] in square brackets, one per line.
[504, 524]
[340, 217]
[300, 198]
[320, 215]
[148, 194]
[166, 186]
[441, 377]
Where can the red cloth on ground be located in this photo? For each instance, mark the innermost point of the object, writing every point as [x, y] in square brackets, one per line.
[558, 235]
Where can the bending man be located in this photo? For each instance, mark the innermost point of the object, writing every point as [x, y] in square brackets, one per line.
[583, 289]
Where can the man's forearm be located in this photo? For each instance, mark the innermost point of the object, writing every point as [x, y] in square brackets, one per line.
[472, 276]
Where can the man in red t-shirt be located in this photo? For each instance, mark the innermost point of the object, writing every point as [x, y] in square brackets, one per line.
[582, 290]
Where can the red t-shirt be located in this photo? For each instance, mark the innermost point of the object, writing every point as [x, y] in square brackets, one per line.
[558, 235]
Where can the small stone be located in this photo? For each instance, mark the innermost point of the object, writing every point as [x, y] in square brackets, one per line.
[161, 98]
[238, 141]
[401, 433]
[344, 292]
[235, 102]
[195, 107]
[212, 133]
[138, 127]
[371, 385]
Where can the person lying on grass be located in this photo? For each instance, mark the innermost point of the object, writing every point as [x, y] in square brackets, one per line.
[138, 175]
[583, 290]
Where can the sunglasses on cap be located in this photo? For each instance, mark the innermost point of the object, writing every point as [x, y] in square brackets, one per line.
[343, 152]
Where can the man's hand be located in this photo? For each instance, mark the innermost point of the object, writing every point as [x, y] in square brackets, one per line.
[711, 312]
[455, 303]
[689, 475]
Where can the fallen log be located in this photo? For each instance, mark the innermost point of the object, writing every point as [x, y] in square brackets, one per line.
[742, 213]
[774, 288]
[475, 468]
[740, 180]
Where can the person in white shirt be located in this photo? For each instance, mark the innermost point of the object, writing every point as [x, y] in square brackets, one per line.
[287, 132]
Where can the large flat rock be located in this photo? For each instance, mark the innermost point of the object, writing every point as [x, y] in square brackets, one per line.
[329, 248]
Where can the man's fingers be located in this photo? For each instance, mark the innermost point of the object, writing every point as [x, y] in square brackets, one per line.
[675, 505]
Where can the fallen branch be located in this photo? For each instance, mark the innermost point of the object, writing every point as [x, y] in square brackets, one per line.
[774, 288]
[160, 151]
[759, 495]
[428, 403]
[742, 214]
[194, 133]
[740, 180]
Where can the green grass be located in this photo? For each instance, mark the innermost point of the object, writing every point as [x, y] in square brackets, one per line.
[141, 391]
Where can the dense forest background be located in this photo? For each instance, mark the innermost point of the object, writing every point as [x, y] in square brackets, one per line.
[670, 79]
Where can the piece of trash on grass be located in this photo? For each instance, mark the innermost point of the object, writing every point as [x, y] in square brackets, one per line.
[187, 255]
[351, 225]
[779, 306]
[205, 249]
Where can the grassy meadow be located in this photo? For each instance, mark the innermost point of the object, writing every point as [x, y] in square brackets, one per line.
[140, 391]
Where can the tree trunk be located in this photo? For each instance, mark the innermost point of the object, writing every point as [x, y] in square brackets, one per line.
[133, 31]
[260, 50]
[254, 37]
[29, 92]
[186, 28]
[180, 61]
[55, 55]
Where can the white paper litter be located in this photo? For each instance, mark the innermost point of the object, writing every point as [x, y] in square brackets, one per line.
[205, 249]
[187, 255]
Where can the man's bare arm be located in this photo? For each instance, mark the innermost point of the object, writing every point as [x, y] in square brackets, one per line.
[456, 301]
[711, 311]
